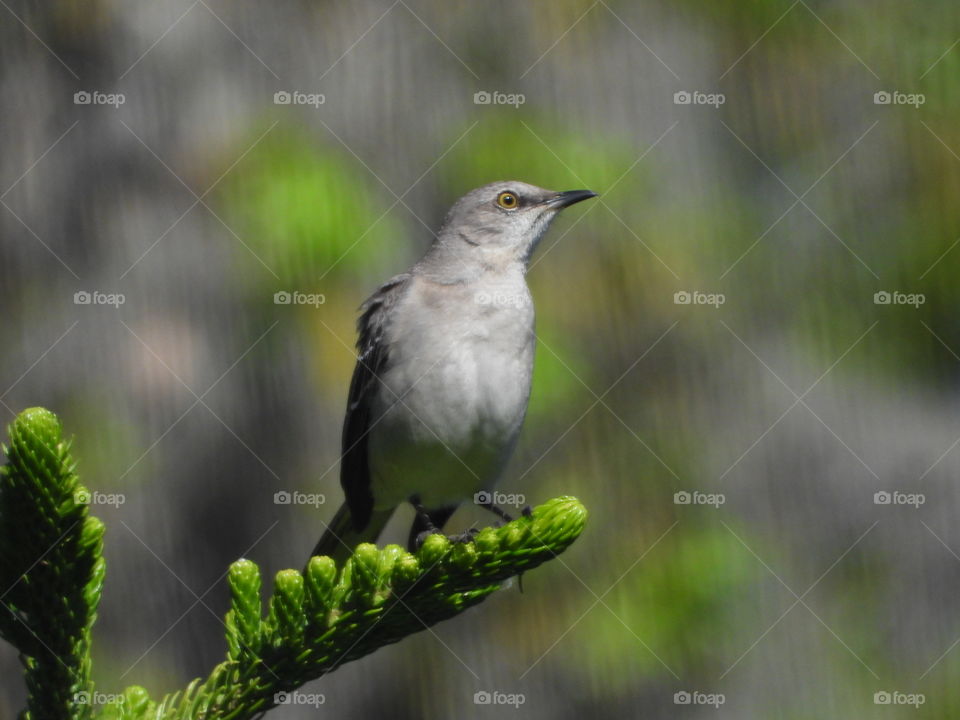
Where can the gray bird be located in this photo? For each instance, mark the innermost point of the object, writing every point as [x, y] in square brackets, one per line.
[445, 362]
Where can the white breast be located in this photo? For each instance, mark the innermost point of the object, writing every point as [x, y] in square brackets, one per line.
[460, 366]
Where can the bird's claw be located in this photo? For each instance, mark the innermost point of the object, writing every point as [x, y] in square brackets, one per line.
[467, 536]
[422, 537]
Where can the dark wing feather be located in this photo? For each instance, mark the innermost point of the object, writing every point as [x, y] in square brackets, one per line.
[372, 361]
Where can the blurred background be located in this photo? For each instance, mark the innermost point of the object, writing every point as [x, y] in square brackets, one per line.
[759, 312]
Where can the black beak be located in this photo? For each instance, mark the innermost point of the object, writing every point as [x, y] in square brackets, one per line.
[568, 198]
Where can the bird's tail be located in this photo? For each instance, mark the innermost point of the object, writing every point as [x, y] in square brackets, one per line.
[340, 538]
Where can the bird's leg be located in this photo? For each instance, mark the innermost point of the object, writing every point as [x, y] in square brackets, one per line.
[496, 510]
[467, 536]
[424, 521]
[422, 514]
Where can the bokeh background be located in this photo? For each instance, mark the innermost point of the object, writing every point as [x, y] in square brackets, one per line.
[796, 199]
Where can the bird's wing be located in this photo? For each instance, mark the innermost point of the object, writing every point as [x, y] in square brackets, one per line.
[372, 361]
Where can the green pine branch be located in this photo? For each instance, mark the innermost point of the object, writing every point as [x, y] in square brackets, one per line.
[52, 569]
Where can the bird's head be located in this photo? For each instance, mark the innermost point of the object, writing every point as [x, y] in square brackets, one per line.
[501, 223]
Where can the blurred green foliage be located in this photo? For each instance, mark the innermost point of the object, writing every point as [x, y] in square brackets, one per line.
[680, 601]
[307, 209]
[518, 144]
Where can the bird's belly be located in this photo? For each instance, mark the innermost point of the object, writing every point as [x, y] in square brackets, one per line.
[449, 420]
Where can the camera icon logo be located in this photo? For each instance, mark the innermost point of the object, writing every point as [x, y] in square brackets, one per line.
[881, 298]
[681, 698]
[282, 298]
[882, 498]
[682, 97]
[681, 498]
[281, 698]
[681, 297]
[82, 98]
[481, 97]
[482, 498]
[482, 697]
[81, 298]
[82, 697]
[281, 97]
[882, 98]
[82, 497]
[881, 697]
[282, 497]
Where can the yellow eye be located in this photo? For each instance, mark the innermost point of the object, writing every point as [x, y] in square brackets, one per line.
[507, 200]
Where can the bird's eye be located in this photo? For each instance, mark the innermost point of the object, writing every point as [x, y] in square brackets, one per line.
[508, 200]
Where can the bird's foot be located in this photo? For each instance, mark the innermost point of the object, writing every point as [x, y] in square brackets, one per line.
[422, 537]
[498, 511]
[467, 536]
